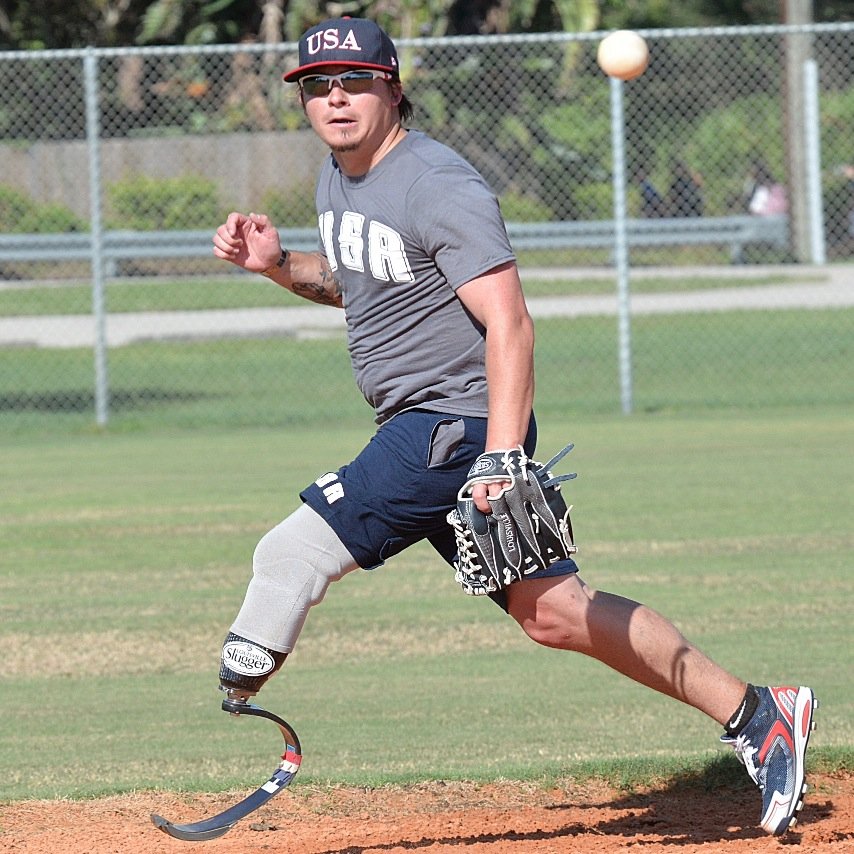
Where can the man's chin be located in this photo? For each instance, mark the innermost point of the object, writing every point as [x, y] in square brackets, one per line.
[341, 139]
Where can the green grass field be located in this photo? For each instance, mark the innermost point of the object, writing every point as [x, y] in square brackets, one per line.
[126, 554]
[692, 364]
[725, 502]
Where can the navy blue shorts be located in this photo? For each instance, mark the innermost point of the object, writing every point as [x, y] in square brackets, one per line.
[400, 488]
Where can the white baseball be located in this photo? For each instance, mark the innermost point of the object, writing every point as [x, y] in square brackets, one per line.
[623, 54]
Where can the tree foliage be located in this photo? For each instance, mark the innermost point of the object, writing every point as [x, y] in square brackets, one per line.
[56, 24]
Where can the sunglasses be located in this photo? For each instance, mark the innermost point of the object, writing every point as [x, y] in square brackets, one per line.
[352, 82]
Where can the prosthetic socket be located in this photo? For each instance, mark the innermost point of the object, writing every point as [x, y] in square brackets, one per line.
[245, 666]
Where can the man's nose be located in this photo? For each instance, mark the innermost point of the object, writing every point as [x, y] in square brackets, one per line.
[336, 89]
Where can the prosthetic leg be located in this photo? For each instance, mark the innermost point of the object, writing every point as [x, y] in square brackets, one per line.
[293, 563]
[244, 668]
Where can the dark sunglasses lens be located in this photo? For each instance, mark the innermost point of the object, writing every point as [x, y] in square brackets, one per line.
[357, 82]
[353, 82]
[314, 86]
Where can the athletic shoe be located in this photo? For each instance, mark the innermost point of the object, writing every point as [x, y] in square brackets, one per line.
[772, 747]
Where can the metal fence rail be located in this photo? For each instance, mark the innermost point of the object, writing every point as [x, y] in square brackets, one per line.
[735, 232]
[125, 245]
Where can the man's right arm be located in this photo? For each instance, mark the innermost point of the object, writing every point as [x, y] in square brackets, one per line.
[308, 275]
[252, 242]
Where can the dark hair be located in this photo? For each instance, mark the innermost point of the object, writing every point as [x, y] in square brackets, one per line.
[405, 108]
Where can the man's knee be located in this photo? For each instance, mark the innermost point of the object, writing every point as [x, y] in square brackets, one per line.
[301, 556]
[551, 611]
[551, 629]
[293, 566]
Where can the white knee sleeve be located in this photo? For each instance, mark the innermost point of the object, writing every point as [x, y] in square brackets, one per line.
[292, 568]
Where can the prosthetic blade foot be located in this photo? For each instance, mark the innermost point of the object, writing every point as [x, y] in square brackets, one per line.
[284, 774]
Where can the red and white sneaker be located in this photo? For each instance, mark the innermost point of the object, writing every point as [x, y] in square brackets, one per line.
[772, 746]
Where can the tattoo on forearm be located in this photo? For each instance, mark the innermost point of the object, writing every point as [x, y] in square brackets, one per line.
[326, 289]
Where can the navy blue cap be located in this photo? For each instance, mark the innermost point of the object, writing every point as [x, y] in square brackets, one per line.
[357, 42]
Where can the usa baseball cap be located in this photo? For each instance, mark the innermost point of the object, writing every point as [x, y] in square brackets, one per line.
[345, 41]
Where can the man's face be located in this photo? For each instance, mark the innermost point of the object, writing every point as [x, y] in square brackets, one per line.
[352, 121]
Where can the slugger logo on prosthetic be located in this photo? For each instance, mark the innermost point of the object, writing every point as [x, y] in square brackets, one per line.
[247, 659]
[245, 666]
[529, 527]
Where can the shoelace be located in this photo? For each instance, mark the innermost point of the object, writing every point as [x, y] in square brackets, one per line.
[745, 752]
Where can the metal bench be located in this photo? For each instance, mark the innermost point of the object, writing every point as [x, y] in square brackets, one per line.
[735, 232]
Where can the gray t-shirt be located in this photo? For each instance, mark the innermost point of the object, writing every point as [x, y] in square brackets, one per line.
[401, 239]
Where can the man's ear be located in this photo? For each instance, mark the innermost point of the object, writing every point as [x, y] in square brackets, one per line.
[396, 93]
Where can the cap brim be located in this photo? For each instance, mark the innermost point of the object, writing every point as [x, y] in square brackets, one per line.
[303, 70]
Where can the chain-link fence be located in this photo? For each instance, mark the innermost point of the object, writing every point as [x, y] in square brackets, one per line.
[118, 164]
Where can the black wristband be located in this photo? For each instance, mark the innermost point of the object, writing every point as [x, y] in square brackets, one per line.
[278, 265]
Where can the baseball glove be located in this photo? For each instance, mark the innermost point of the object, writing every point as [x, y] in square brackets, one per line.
[529, 527]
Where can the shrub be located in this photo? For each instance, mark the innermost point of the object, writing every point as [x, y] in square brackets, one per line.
[19, 214]
[294, 209]
[142, 203]
[519, 207]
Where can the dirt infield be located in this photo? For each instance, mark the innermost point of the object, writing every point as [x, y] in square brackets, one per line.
[442, 817]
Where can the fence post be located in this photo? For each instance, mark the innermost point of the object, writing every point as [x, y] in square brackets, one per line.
[621, 249]
[812, 145]
[93, 146]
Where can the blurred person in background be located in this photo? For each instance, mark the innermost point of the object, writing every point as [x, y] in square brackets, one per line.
[766, 195]
[685, 194]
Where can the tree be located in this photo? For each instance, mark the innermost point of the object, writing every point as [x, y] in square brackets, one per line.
[56, 24]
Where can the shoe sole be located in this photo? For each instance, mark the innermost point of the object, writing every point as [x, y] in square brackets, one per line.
[804, 725]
